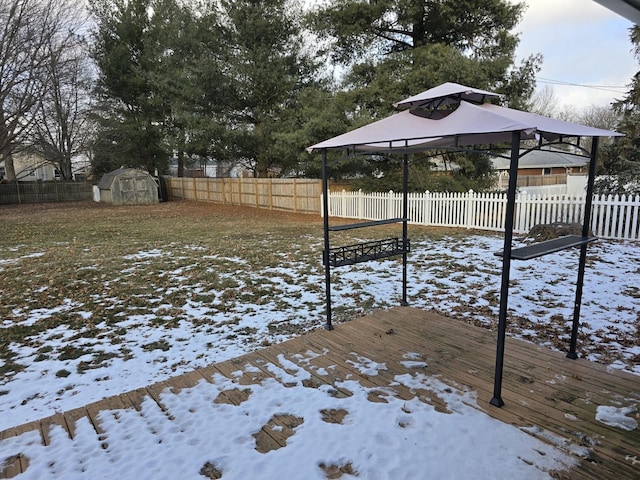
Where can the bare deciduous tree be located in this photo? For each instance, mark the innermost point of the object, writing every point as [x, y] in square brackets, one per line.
[544, 102]
[61, 130]
[28, 30]
[600, 117]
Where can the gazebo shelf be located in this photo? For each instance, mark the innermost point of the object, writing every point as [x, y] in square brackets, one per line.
[549, 246]
[373, 223]
[367, 251]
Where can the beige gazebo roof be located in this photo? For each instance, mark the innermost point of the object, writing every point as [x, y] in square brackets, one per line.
[424, 126]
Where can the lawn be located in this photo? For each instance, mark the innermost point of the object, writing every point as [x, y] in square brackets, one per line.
[99, 299]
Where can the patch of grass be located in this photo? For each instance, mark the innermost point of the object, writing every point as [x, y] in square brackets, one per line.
[41, 357]
[247, 331]
[10, 368]
[71, 353]
[158, 345]
[99, 360]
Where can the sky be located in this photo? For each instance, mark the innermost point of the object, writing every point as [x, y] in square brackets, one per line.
[451, 274]
[582, 43]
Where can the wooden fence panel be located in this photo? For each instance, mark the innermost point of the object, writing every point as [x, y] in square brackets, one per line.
[289, 194]
[43, 192]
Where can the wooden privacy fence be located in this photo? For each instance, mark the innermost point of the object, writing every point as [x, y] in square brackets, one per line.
[41, 192]
[532, 180]
[292, 194]
[615, 217]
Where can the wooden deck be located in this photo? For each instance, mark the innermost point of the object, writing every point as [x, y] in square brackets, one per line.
[552, 397]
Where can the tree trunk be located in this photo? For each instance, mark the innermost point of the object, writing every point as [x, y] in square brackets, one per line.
[9, 168]
[180, 163]
[65, 170]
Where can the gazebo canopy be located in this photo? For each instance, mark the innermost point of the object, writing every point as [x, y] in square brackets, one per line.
[464, 123]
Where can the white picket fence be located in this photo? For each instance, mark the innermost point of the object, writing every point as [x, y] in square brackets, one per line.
[615, 217]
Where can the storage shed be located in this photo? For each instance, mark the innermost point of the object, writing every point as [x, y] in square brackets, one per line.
[128, 186]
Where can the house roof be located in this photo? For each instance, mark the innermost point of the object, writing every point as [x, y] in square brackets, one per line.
[542, 159]
[630, 9]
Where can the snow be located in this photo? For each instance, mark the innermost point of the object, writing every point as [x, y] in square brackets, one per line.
[616, 417]
[457, 276]
[397, 439]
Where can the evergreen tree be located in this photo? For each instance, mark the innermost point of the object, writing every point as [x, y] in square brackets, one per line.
[205, 81]
[620, 164]
[143, 52]
[269, 69]
[397, 48]
[129, 118]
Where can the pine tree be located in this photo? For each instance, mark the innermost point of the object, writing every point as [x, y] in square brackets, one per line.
[621, 160]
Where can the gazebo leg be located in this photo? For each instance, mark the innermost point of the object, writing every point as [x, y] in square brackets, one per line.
[506, 266]
[583, 250]
[325, 257]
[405, 213]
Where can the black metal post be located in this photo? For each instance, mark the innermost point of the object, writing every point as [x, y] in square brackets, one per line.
[506, 266]
[583, 250]
[405, 229]
[325, 254]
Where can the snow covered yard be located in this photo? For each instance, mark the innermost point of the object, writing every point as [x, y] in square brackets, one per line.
[113, 303]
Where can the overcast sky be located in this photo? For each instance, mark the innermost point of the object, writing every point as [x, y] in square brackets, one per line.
[582, 43]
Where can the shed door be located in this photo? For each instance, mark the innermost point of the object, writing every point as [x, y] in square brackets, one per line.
[136, 190]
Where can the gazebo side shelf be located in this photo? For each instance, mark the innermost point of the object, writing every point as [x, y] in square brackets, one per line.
[373, 223]
[367, 251]
[549, 246]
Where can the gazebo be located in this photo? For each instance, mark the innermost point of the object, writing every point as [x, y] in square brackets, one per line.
[457, 118]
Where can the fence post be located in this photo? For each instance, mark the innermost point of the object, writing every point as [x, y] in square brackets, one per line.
[635, 206]
[295, 195]
[343, 203]
[255, 191]
[390, 204]
[517, 221]
[470, 209]
[426, 208]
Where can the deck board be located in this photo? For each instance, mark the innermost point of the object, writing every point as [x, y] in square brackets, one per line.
[544, 392]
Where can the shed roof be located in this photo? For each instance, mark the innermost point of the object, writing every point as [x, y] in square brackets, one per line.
[108, 178]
